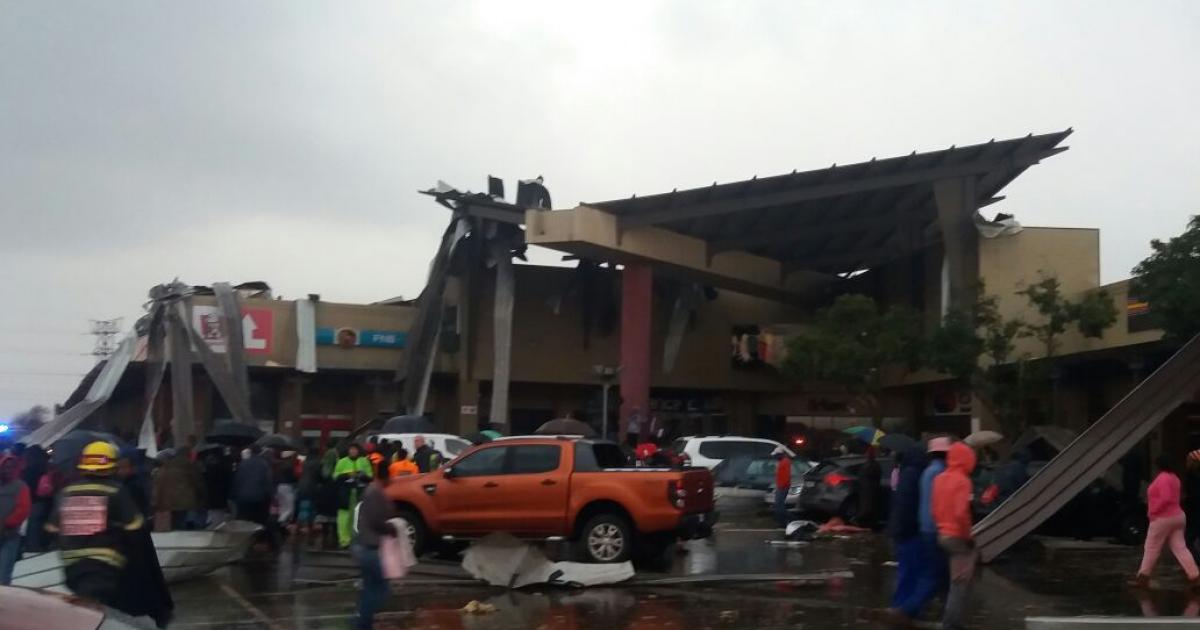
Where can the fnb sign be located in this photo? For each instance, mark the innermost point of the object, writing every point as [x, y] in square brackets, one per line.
[258, 329]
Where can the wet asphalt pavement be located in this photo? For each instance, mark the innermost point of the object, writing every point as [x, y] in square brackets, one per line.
[304, 589]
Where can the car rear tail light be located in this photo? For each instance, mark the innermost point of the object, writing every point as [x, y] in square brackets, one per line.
[834, 479]
[676, 494]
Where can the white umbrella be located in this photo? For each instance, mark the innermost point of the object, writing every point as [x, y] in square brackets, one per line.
[980, 439]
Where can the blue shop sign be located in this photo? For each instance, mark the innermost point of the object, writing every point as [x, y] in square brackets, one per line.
[352, 337]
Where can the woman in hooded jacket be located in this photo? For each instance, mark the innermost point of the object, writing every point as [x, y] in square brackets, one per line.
[1167, 525]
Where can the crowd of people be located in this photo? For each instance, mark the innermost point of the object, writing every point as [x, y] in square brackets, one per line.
[100, 511]
[929, 522]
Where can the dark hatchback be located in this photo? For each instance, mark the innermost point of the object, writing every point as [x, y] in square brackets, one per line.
[831, 488]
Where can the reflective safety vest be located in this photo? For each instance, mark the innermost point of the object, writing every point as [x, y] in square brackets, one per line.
[91, 517]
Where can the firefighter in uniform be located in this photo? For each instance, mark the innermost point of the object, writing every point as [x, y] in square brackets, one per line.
[92, 516]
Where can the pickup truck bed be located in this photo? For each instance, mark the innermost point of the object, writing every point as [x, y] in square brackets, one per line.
[558, 488]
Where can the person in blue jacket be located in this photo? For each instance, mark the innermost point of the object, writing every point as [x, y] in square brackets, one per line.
[905, 529]
[932, 573]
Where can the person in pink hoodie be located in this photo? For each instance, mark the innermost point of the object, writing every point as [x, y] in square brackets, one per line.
[1167, 524]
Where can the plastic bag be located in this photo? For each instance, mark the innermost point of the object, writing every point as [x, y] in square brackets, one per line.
[395, 552]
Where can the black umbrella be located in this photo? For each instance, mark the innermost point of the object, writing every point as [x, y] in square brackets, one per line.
[478, 438]
[566, 426]
[897, 442]
[233, 433]
[277, 441]
[66, 451]
[408, 424]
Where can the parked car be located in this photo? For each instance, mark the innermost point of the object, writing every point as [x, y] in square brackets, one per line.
[831, 488]
[742, 483]
[557, 488]
[712, 450]
[448, 445]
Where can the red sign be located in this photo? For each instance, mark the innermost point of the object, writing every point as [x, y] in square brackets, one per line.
[258, 329]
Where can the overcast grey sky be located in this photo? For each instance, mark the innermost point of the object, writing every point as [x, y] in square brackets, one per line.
[284, 141]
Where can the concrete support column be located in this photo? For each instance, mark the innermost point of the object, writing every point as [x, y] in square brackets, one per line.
[636, 311]
[466, 411]
[956, 205]
[365, 406]
[291, 405]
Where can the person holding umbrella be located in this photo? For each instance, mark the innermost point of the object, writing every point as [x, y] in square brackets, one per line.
[869, 479]
[352, 474]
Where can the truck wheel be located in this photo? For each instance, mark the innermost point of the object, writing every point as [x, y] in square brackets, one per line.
[606, 538]
[418, 534]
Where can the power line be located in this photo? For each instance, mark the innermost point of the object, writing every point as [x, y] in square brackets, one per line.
[25, 373]
[53, 351]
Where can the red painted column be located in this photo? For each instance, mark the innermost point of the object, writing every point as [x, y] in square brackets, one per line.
[636, 282]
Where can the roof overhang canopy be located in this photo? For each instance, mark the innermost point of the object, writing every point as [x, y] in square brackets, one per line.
[780, 234]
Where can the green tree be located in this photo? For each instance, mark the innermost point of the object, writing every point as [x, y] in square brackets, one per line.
[1092, 314]
[852, 342]
[976, 346]
[1169, 279]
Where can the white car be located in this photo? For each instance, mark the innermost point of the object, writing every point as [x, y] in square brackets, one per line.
[712, 450]
[448, 445]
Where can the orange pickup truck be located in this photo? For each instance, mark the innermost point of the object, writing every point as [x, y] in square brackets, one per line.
[557, 489]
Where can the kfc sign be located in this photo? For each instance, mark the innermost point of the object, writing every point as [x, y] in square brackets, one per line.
[257, 329]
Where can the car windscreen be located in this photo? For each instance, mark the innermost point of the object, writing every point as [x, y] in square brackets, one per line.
[455, 446]
[597, 456]
[745, 449]
[732, 471]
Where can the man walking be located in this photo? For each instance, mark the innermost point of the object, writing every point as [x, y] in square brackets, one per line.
[933, 571]
[904, 526]
[952, 512]
[424, 456]
[93, 517]
[14, 509]
[633, 427]
[373, 517]
[252, 491]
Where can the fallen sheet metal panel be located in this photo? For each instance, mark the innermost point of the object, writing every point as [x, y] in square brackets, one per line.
[218, 373]
[156, 369]
[422, 350]
[306, 336]
[183, 555]
[1095, 450]
[231, 324]
[102, 388]
[183, 423]
[502, 560]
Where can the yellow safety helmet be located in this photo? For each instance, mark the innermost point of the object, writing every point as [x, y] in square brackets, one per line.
[98, 456]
